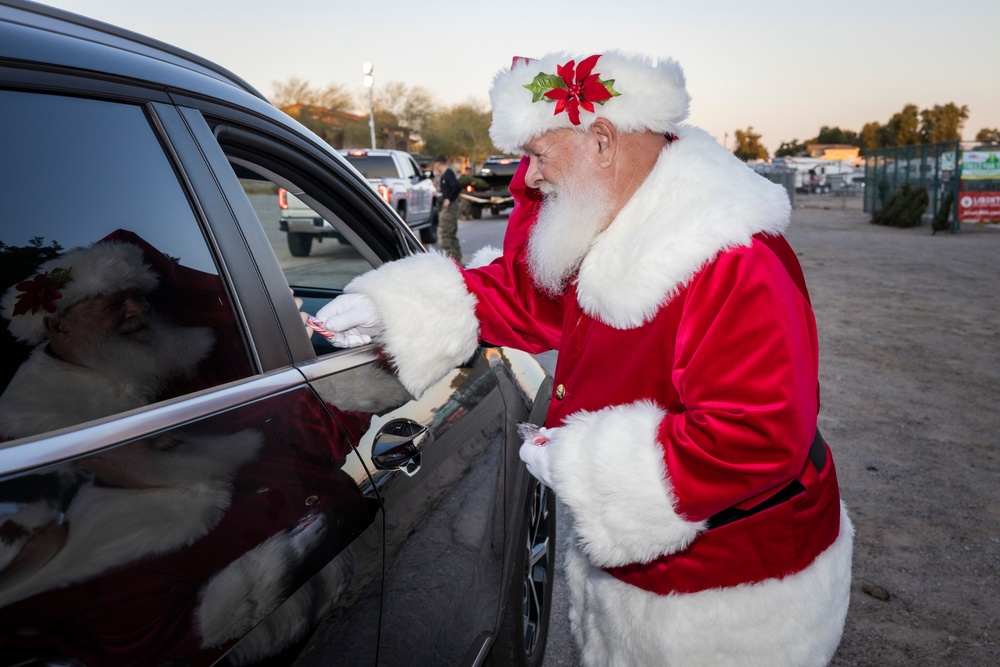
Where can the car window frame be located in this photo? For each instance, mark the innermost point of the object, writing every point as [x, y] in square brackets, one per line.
[380, 239]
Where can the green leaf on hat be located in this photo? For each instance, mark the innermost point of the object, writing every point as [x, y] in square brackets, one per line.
[542, 84]
[610, 85]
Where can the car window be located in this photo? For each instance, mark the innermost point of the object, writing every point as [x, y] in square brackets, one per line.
[372, 166]
[410, 168]
[111, 299]
[317, 251]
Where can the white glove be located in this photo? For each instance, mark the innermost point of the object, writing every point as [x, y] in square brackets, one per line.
[352, 318]
[536, 458]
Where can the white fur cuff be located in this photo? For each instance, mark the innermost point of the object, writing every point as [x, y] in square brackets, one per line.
[429, 316]
[607, 466]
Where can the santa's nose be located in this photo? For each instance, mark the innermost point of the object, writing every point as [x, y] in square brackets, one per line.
[533, 177]
[135, 306]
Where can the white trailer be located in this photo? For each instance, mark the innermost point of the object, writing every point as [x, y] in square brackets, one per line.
[813, 174]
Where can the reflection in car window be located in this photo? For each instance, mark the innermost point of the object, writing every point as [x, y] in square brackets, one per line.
[109, 294]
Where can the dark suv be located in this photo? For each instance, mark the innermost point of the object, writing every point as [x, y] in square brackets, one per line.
[187, 476]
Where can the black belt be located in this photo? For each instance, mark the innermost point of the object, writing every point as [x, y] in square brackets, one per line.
[817, 456]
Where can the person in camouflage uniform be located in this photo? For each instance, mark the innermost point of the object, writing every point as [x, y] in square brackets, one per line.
[448, 216]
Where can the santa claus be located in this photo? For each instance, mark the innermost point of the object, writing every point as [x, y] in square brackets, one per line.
[169, 513]
[106, 351]
[681, 437]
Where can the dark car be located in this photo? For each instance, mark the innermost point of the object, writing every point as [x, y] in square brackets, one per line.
[490, 188]
[187, 477]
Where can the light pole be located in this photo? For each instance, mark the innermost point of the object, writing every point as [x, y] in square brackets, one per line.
[369, 82]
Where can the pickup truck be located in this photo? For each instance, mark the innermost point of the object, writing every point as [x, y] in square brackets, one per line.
[393, 174]
[398, 179]
[496, 173]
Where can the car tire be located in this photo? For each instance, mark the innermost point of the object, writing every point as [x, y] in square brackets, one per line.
[476, 213]
[525, 629]
[429, 234]
[299, 244]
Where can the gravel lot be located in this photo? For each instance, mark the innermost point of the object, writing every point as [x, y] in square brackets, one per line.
[909, 327]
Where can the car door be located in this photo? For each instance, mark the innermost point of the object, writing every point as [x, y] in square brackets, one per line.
[419, 186]
[437, 461]
[184, 500]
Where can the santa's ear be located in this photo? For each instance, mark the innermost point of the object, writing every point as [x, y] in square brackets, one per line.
[606, 136]
[54, 326]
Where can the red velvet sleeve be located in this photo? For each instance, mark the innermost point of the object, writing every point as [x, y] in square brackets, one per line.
[746, 370]
[511, 310]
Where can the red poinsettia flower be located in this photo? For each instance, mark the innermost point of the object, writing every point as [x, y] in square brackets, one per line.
[582, 89]
[39, 293]
[11, 532]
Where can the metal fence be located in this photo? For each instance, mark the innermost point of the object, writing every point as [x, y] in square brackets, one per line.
[935, 167]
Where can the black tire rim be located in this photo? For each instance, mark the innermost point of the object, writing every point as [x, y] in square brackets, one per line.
[537, 567]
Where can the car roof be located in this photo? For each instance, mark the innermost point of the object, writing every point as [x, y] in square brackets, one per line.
[30, 32]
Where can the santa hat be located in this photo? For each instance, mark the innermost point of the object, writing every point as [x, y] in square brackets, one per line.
[562, 90]
[82, 273]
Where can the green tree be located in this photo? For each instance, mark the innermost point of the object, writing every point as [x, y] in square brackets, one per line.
[988, 135]
[790, 149]
[460, 131]
[748, 146]
[943, 122]
[903, 128]
[835, 135]
[872, 136]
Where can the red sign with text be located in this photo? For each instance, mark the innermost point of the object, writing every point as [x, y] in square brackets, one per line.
[979, 206]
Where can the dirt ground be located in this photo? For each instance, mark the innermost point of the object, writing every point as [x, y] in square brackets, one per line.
[909, 326]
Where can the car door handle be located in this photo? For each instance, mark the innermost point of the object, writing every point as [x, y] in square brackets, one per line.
[397, 446]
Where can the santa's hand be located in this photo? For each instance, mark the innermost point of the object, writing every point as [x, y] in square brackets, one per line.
[536, 459]
[352, 318]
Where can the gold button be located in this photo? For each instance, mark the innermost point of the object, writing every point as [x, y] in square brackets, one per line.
[560, 392]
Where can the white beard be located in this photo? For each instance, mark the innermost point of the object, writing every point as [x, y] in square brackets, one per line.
[570, 218]
[147, 354]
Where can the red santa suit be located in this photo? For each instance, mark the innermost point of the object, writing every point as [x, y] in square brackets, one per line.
[681, 424]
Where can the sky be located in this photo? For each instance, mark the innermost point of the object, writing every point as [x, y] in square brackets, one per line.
[784, 68]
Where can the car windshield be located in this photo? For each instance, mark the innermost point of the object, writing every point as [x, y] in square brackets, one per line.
[374, 166]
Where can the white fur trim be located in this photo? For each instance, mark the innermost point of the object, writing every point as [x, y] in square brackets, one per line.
[101, 268]
[365, 388]
[429, 316]
[607, 466]
[47, 393]
[110, 527]
[652, 97]
[796, 621]
[242, 594]
[698, 201]
[484, 256]
[301, 612]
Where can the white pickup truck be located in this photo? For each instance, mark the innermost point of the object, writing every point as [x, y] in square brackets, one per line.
[393, 174]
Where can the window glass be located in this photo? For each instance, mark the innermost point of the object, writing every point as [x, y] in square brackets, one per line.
[372, 166]
[317, 258]
[109, 295]
[410, 168]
